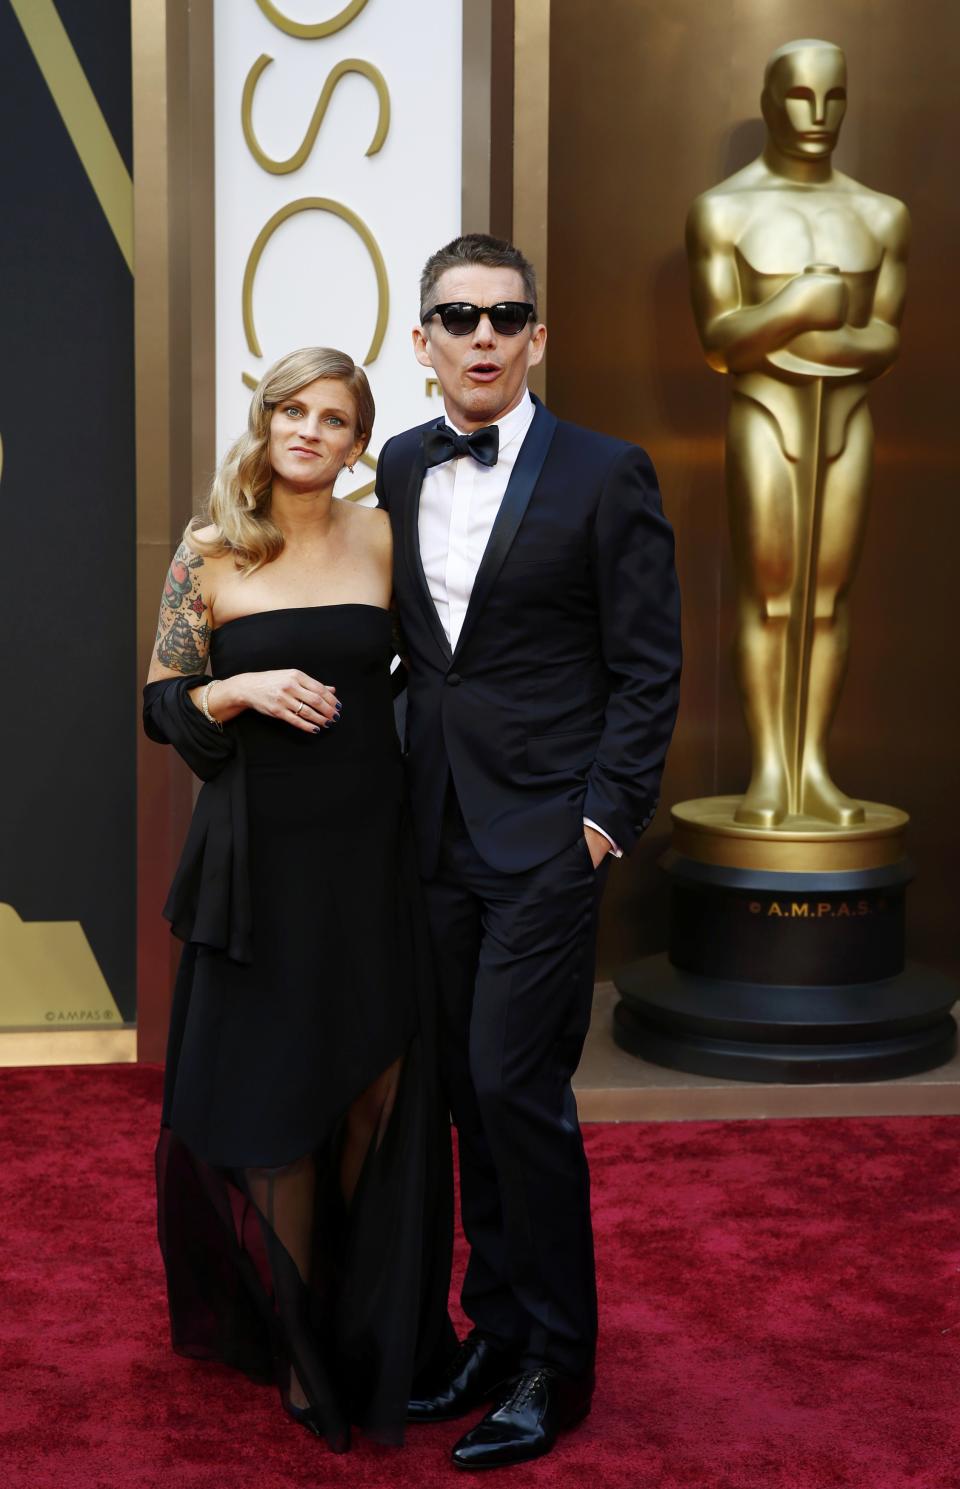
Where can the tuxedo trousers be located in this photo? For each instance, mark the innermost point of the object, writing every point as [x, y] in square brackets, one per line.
[515, 957]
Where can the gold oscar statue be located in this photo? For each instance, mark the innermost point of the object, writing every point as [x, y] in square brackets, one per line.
[786, 951]
[798, 276]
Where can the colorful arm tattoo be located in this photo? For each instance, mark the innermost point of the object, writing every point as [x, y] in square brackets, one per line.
[183, 635]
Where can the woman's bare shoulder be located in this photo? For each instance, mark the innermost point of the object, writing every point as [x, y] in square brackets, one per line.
[206, 547]
[199, 556]
[370, 524]
[364, 513]
[210, 533]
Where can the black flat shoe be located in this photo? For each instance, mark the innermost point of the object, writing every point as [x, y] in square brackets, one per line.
[526, 1422]
[476, 1373]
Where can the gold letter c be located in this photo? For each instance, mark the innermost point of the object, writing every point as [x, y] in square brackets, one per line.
[319, 28]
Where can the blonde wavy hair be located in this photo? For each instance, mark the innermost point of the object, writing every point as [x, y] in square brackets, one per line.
[239, 502]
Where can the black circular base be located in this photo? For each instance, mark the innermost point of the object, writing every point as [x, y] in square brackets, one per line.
[776, 928]
[864, 1031]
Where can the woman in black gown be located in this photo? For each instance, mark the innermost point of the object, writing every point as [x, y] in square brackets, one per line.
[303, 1163]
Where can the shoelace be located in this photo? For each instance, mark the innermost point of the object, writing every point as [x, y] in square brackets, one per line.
[523, 1390]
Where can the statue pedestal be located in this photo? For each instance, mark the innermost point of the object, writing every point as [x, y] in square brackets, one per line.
[786, 959]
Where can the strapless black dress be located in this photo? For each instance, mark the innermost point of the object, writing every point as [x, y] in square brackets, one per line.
[269, 1266]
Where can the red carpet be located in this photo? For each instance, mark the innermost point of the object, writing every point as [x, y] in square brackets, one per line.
[780, 1309]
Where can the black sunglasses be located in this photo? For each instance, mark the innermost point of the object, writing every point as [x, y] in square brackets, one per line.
[460, 318]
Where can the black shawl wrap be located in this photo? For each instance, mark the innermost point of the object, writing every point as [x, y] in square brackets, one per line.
[209, 899]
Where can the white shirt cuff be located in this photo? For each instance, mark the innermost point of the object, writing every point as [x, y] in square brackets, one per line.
[616, 852]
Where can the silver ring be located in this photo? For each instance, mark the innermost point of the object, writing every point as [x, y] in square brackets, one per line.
[299, 706]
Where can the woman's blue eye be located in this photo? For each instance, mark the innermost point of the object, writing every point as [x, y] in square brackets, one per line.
[292, 409]
[335, 419]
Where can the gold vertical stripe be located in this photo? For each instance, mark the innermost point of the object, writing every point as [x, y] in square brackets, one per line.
[172, 47]
[80, 112]
[475, 133]
[531, 138]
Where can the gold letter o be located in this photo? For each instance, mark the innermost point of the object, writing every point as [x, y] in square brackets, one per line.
[317, 204]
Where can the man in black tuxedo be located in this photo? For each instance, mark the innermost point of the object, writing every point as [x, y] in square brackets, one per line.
[535, 582]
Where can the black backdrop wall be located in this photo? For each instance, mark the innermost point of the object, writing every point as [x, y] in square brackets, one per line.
[67, 633]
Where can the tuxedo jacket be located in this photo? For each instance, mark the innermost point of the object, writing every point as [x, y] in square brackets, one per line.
[559, 699]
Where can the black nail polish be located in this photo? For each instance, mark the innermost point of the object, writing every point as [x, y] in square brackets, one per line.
[316, 728]
[339, 706]
[335, 719]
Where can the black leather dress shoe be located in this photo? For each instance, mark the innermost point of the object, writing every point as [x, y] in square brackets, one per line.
[525, 1424]
[476, 1373]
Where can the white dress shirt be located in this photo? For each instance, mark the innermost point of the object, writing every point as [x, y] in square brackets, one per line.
[459, 502]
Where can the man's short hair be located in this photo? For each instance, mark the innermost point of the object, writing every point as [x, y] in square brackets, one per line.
[475, 248]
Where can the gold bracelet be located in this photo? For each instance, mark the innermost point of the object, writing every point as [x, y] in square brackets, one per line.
[205, 707]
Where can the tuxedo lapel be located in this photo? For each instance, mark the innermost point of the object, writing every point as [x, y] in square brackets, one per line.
[411, 533]
[523, 479]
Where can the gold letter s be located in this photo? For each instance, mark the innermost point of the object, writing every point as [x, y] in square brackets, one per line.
[296, 160]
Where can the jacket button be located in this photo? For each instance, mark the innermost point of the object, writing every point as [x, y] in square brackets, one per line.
[453, 679]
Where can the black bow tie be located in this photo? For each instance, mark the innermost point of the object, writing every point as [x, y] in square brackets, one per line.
[444, 443]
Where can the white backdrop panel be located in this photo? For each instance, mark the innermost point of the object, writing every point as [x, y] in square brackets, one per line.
[315, 283]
